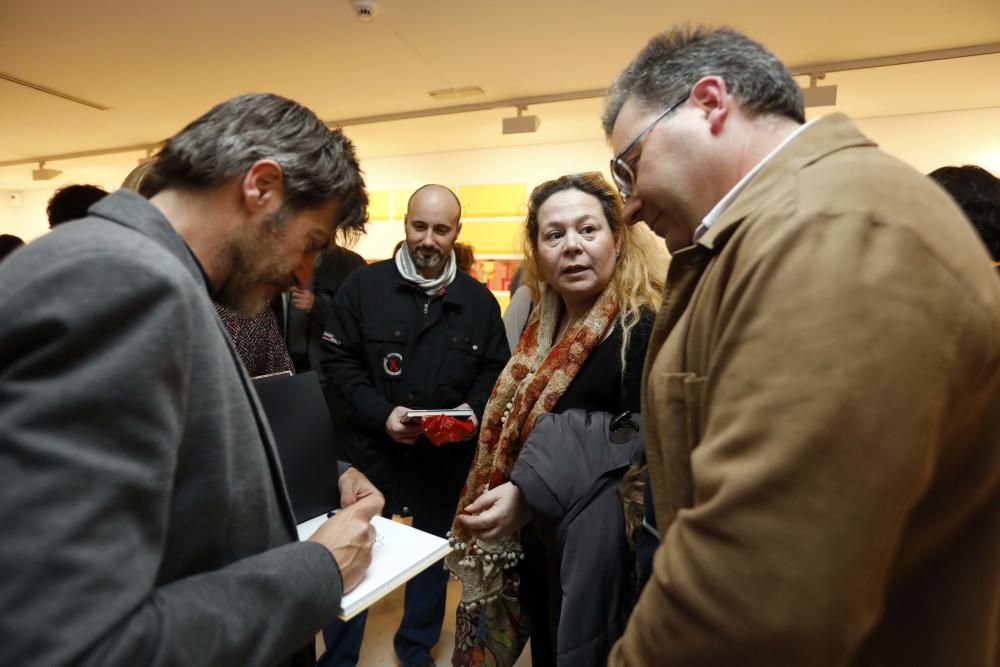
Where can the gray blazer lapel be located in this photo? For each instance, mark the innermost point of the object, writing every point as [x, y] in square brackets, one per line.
[266, 437]
[131, 210]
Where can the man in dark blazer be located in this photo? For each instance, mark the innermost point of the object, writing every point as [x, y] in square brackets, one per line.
[145, 516]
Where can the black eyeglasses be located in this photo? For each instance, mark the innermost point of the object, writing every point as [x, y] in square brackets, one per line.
[621, 172]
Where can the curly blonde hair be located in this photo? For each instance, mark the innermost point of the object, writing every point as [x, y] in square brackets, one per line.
[640, 267]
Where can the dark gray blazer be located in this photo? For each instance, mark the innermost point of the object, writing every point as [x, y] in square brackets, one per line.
[144, 517]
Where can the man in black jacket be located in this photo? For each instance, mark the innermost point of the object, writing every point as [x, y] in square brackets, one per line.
[407, 333]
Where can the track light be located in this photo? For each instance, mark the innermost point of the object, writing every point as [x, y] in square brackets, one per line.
[444, 94]
[819, 96]
[43, 174]
[520, 124]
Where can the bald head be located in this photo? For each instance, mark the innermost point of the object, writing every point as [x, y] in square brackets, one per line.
[436, 196]
[432, 225]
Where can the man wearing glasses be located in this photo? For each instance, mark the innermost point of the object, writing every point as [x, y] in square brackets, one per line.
[822, 407]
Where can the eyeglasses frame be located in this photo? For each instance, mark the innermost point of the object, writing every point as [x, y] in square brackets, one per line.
[626, 184]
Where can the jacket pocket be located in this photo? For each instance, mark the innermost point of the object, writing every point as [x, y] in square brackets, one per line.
[385, 345]
[463, 355]
[678, 402]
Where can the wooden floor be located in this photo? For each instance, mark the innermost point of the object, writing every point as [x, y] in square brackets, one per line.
[383, 619]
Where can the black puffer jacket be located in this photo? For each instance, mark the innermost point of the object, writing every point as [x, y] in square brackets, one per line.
[570, 470]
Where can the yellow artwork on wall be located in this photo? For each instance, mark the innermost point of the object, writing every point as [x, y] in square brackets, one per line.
[493, 201]
[378, 204]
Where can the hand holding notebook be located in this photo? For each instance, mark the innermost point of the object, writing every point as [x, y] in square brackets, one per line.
[349, 535]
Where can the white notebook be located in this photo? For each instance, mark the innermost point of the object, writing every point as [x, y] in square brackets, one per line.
[400, 553]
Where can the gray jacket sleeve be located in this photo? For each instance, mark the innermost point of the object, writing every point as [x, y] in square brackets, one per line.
[95, 372]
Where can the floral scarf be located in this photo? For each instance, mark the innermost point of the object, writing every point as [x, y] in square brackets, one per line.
[492, 627]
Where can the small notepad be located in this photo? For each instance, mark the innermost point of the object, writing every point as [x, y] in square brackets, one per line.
[400, 553]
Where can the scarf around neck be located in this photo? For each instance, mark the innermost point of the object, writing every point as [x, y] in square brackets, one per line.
[410, 273]
[531, 383]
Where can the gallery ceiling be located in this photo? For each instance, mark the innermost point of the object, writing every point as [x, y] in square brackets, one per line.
[156, 65]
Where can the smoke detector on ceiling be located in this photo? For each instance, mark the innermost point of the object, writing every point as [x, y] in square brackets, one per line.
[365, 10]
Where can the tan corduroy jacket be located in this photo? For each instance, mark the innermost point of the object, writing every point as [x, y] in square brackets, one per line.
[822, 416]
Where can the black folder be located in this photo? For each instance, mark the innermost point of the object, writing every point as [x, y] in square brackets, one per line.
[300, 421]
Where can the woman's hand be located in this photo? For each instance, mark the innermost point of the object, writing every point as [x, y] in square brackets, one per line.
[497, 513]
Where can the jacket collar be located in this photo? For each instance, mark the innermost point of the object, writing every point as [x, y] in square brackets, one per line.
[131, 210]
[134, 211]
[454, 293]
[826, 135]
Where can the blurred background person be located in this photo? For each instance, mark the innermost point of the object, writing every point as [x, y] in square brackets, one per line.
[143, 180]
[306, 311]
[977, 192]
[71, 202]
[9, 243]
[465, 257]
[258, 340]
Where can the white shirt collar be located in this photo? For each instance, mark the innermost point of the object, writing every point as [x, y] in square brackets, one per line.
[725, 202]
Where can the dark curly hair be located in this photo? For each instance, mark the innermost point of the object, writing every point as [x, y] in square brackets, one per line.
[977, 192]
[9, 243]
[72, 201]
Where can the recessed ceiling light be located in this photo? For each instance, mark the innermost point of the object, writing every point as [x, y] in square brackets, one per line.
[454, 93]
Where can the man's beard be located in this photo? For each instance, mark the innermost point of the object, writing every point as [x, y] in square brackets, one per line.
[245, 266]
[426, 260]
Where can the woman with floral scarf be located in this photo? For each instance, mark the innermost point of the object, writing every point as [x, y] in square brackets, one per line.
[597, 285]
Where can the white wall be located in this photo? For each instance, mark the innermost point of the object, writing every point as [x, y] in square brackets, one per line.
[22, 213]
[925, 141]
[929, 141]
[515, 164]
[518, 164]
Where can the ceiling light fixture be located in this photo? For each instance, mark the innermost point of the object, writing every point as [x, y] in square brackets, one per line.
[443, 94]
[43, 174]
[365, 10]
[819, 96]
[521, 124]
[596, 93]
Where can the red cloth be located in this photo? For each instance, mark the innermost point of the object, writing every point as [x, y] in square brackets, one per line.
[442, 429]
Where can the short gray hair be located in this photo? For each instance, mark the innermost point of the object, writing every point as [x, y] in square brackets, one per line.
[672, 62]
[318, 164]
